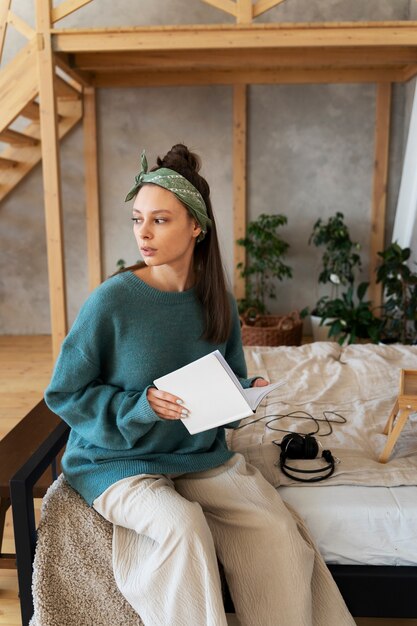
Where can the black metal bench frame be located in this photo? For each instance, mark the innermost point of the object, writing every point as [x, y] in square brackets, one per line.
[369, 591]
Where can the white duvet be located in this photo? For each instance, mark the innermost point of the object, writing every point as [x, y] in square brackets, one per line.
[359, 382]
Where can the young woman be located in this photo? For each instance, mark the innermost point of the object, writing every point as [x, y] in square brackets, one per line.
[178, 502]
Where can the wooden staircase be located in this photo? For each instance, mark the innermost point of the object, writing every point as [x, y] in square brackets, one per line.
[19, 115]
[41, 100]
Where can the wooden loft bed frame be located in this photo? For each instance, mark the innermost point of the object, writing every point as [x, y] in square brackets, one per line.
[234, 54]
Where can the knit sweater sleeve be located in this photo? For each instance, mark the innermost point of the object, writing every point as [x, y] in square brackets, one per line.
[103, 414]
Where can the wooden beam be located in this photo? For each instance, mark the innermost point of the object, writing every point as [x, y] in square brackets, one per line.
[409, 72]
[255, 77]
[21, 26]
[92, 189]
[51, 178]
[365, 35]
[73, 83]
[224, 5]
[80, 78]
[239, 182]
[270, 58]
[379, 189]
[264, 60]
[66, 8]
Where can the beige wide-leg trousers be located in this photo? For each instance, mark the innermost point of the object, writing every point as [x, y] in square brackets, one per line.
[167, 568]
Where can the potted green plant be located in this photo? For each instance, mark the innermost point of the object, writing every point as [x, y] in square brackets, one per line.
[265, 251]
[399, 282]
[264, 265]
[340, 261]
[341, 255]
[350, 318]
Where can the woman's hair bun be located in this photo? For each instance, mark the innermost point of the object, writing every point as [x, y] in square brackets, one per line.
[180, 155]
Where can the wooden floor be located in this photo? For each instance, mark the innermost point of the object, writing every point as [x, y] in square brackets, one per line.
[25, 369]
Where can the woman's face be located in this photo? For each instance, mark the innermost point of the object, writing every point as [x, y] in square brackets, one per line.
[164, 230]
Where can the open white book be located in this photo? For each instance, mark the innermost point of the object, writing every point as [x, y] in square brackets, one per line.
[212, 392]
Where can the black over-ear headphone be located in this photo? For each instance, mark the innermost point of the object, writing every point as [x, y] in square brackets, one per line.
[298, 446]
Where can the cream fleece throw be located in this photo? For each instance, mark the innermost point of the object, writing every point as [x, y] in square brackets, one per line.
[73, 582]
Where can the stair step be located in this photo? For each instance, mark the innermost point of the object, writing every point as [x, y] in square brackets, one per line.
[31, 111]
[17, 139]
[6, 163]
[64, 90]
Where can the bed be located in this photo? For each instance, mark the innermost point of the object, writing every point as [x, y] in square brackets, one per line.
[362, 517]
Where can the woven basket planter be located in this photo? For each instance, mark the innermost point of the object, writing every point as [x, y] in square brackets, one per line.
[272, 330]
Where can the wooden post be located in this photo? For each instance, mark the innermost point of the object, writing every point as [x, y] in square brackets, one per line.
[379, 191]
[92, 189]
[244, 11]
[239, 181]
[51, 176]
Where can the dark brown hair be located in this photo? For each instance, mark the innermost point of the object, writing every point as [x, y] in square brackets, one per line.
[210, 279]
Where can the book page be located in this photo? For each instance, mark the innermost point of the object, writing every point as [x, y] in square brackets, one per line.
[255, 395]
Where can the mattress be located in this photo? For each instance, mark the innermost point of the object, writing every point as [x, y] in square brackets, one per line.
[357, 525]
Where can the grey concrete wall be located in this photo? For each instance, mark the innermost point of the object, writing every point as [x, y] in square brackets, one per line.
[310, 153]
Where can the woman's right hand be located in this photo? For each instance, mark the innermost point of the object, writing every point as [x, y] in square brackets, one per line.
[166, 405]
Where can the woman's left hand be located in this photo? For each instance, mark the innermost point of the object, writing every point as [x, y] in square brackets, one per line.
[260, 382]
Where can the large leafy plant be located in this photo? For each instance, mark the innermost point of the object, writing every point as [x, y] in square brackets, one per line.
[350, 317]
[399, 311]
[341, 255]
[345, 311]
[265, 250]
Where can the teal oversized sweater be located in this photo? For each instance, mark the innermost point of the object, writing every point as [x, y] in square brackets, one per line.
[126, 335]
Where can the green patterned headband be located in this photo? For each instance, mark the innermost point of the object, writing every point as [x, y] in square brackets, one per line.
[179, 186]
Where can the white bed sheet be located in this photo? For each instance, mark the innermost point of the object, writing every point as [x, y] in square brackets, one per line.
[356, 525]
